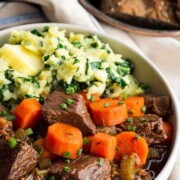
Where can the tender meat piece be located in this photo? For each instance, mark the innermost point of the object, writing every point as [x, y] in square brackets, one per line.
[161, 10]
[5, 128]
[75, 114]
[113, 130]
[86, 167]
[150, 126]
[142, 174]
[16, 162]
[159, 105]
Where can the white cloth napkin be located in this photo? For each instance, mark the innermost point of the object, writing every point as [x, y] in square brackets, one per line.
[164, 52]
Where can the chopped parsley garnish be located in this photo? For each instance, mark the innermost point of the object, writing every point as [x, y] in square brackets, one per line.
[124, 96]
[121, 102]
[85, 140]
[101, 160]
[143, 109]
[79, 151]
[4, 113]
[131, 111]
[131, 128]
[137, 136]
[106, 105]
[142, 119]
[10, 117]
[69, 101]
[29, 131]
[67, 161]
[67, 154]
[117, 148]
[91, 98]
[12, 143]
[66, 168]
[70, 90]
[41, 151]
[52, 178]
[130, 119]
[63, 106]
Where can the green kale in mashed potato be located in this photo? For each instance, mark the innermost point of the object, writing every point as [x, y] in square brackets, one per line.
[76, 62]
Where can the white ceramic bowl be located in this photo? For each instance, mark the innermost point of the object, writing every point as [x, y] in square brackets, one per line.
[145, 71]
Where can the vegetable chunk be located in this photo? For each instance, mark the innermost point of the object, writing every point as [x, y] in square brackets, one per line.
[28, 114]
[40, 147]
[135, 106]
[104, 145]
[21, 59]
[108, 112]
[129, 143]
[64, 140]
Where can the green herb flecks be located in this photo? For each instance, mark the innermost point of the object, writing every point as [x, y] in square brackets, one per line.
[85, 140]
[66, 154]
[69, 101]
[12, 143]
[131, 128]
[63, 106]
[101, 161]
[66, 169]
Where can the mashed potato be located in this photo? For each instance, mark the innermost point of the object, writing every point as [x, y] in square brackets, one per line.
[75, 62]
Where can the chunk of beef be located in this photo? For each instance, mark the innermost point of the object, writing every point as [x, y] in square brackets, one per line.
[159, 105]
[5, 128]
[16, 162]
[113, 130]
[150, 126]
[85, 167]
[75, 114]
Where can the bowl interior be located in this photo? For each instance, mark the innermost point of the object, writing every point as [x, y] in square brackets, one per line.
[145, 72]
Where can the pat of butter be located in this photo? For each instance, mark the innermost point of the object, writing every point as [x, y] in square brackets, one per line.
[21, 59]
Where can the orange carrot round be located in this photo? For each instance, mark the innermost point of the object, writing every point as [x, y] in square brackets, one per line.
[104, 145]
[108, 112]
[129, 143]
[28, 114]
[64, 140]
[40, 147]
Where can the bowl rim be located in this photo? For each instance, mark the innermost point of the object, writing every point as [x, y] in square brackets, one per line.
[165, 172]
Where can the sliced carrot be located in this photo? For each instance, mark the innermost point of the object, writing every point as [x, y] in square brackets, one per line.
[104, 145]
[87, 142]
[28, 114]
[40, 147]
[135, 106]
[168, 128]
[108, 112]
[64, 140]
[93, 97]
[129, 143]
